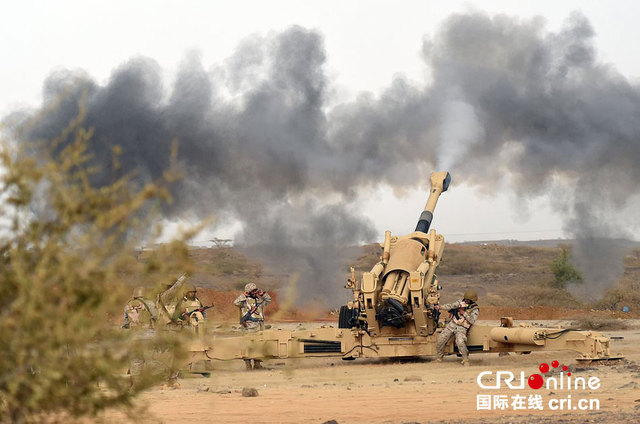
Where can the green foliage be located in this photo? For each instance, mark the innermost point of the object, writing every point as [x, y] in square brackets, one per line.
[65, 255]
[563, 271]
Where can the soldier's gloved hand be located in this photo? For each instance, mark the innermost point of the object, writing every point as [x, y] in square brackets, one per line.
[463, 304]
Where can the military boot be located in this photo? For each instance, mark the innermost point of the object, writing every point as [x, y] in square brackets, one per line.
[247, 364]
[465, 362]
[257, 364]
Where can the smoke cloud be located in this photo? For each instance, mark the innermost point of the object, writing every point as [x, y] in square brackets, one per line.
[509, 101]
[551, 118]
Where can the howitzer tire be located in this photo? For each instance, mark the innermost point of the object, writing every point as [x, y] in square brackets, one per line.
[347, 318]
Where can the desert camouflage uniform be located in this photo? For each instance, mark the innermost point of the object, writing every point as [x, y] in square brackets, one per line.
[458, 328]
[247, 301]
[140, 311]
[187, 311]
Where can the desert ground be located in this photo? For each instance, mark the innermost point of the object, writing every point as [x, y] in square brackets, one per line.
[511, 281]
[393, 391]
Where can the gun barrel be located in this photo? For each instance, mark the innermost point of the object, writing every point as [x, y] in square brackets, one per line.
[439, 184]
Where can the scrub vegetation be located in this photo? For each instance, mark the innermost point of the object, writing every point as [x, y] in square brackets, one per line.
[67, 251]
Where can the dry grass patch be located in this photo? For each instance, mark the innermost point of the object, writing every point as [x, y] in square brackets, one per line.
[589, 322]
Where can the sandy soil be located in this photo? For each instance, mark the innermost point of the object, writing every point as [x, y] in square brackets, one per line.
[384, 391]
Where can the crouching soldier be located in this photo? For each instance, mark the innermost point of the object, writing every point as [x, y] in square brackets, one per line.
[464, 314]
[140, 311]
[251, 304]
[190, 310]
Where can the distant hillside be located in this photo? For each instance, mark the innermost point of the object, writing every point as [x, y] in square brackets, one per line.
[625, 243]
[508, 274]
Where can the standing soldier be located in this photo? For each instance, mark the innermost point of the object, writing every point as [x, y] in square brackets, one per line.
[140, 311]
[464, 315]
[251, 304]
[189, 309]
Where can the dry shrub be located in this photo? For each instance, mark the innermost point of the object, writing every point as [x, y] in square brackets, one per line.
[494, 259]
[589, 322]
[67, 249]
[626, 293]
[545, 312]
[491, 299]
[542, 295]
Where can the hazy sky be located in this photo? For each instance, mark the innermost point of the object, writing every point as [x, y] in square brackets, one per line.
[367, 43]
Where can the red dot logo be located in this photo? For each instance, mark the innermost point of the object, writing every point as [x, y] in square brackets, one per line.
[544, 368]
[535, 381]
[569, 374]
[555, 364]
[564, 368]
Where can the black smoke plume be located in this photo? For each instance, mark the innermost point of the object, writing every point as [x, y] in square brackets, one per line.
[508, 101]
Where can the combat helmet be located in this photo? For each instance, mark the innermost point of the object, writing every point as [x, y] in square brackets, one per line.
[471, 295]
[188, 287]
[138, 292]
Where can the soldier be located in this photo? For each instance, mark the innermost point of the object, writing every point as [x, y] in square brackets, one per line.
[251, 304]
[465, 315]
[189, 309]
[140, 311]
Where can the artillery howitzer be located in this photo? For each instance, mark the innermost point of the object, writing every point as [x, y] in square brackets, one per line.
[401, 290]
[392, 313]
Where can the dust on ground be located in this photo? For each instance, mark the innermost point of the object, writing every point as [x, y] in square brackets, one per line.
[388, 391]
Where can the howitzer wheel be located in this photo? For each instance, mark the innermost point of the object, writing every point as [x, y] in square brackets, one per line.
[348, 317]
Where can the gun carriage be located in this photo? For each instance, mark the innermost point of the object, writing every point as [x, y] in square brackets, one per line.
[392, 313]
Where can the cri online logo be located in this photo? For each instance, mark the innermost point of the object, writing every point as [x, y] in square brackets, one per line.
[536, 381]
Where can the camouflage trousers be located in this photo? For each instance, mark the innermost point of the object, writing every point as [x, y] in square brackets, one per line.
[461, 339]
[253, 327]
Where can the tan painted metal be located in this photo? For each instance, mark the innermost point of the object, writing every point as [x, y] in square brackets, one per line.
[353, 343]
[437, 187]
[404, 284]
[518, 335]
